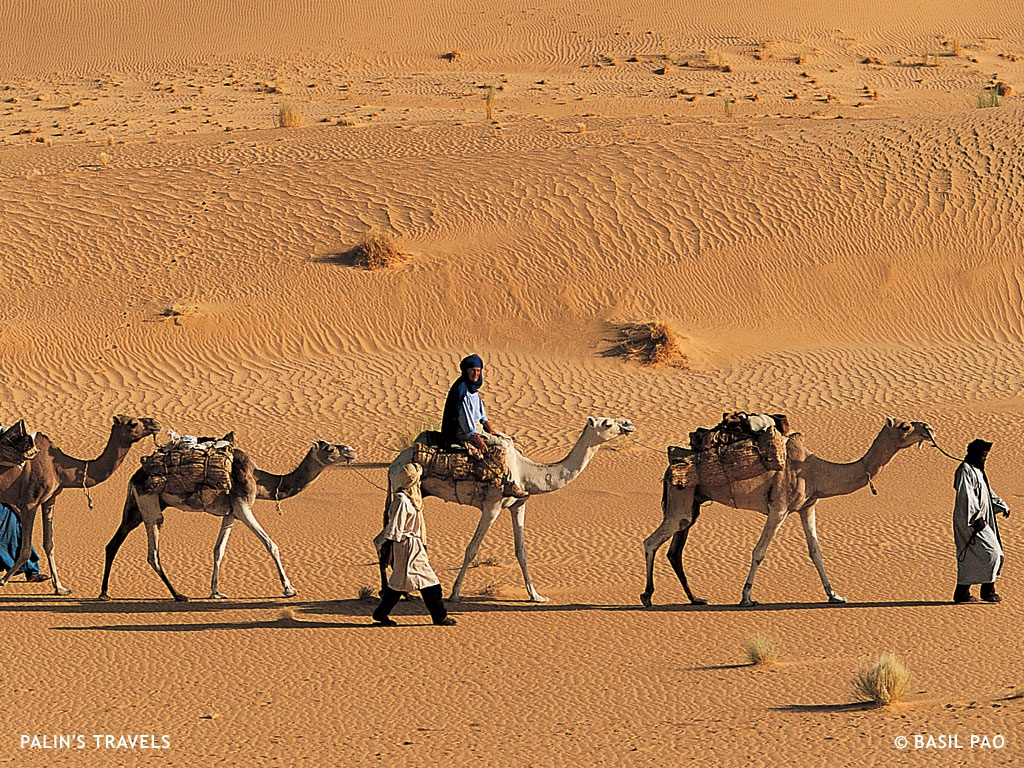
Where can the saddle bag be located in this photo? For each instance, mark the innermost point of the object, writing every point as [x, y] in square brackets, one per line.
[183, 469]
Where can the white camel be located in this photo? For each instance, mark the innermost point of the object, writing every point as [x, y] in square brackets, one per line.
[796, 488]
[248, 483]
[532, 477]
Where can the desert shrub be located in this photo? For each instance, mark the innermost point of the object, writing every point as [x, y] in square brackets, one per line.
[884, 682]
[367, 593]
[761, 649]
[989, 97]
[407, 431]
[490, 560]
[651, 343]
[379, 250]
[289, 116]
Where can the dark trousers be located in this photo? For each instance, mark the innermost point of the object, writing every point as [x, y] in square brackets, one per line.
[432, 598]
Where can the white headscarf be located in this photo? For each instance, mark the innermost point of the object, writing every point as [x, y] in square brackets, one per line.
[407, 478]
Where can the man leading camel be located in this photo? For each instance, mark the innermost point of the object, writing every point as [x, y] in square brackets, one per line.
[979, 552]
[465, 421]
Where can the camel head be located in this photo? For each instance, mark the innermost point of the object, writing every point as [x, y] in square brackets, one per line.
[907, 433]
[130, 429]
[328, 454]
[601, 430]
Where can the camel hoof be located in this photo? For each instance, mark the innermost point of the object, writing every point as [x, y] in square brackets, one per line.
[748, 603]
[698, 601]
[180, 599]
[218, 596]
[453, 598]
[834, 598]
[538, 599]
[104, 597]
[646, 600]
[62, 591]
[291, 592]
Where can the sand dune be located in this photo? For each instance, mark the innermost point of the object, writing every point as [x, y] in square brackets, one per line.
[814, 199]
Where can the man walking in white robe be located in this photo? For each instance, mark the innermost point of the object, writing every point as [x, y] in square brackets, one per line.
[402, 544]
[979, 551]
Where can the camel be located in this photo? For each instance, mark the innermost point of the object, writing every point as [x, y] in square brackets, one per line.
[248, 483]
[37, 482]
[531, 477]
[796, 488]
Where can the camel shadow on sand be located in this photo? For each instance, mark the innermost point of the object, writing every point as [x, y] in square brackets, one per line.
[349, 613]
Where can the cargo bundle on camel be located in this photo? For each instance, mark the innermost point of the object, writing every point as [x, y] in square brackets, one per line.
[188, 465]
[16, 445]
[742, 446]
[455, 462]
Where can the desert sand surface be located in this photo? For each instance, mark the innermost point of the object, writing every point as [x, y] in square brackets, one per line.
[821, 201]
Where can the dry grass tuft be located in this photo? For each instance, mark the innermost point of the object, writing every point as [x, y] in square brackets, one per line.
[884, 682]
[989, 97]
[490, 560]
[367, 593]
[761, 650]
[379, 250]
[407, 432]
[652, 343]
[494, 589]
[289, 116]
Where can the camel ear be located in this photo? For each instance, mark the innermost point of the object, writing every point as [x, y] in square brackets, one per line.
[591, 421]
[889, 422]
[120, 418]
[230, 436]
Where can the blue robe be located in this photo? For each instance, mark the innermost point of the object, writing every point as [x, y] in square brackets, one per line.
[10, 542]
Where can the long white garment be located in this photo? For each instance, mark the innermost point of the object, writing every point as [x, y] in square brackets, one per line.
[406, 528]
[979, 560]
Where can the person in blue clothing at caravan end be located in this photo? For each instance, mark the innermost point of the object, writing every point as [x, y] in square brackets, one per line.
[10, 543]
[465, 421]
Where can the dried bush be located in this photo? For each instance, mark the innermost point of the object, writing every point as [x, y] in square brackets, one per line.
[652, 343]
[761, 649]
[379, 250]
[289, 116]
[884, 682]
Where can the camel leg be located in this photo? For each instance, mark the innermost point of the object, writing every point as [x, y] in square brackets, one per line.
[675, 554]
[814, 550]
[518, 511]
[675, 503]
[130, 520]
[776, 517]
[218, 554]
[58, 588]
[487, 517]
[153, 556]
[241, 510]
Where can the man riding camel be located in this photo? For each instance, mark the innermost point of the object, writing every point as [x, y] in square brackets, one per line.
[465, 421]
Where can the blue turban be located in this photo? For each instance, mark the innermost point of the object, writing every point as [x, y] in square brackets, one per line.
[473, 361]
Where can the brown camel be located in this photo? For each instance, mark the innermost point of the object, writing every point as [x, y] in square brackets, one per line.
[37, 482]
[248, 483]
[796, 488]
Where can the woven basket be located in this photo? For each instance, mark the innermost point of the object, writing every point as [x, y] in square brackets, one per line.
[16, 445]
[457, 465]
[184, 471]
[724, 464]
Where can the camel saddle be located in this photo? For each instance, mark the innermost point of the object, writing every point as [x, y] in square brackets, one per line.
[183, 468]
[734, 450]
[442, 459]
[16, 445]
